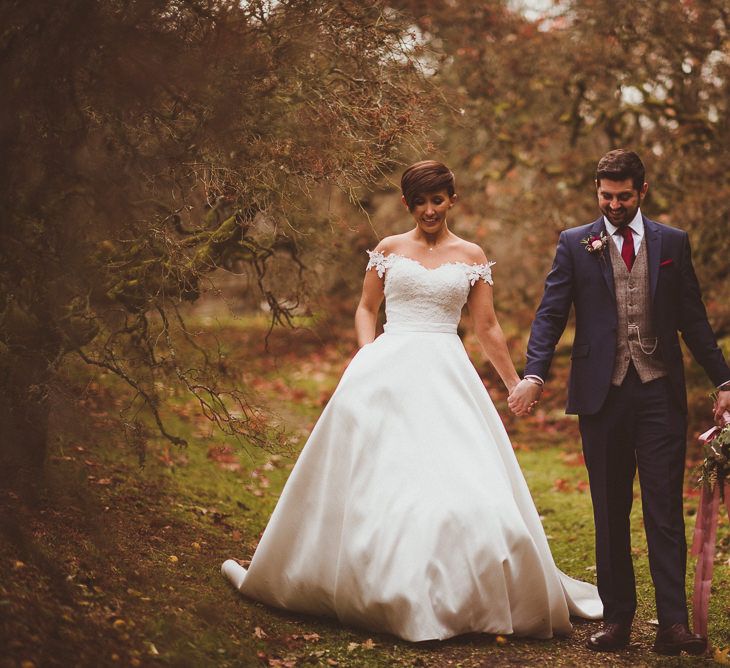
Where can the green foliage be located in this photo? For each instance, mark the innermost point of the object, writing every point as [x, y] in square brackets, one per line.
[716, 464]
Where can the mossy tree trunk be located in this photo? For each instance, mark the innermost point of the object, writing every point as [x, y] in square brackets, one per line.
[29, 351]
[24, 419]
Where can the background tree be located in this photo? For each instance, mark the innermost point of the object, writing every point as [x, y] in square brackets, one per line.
[146, 144]
[537, 101]
[149, 143]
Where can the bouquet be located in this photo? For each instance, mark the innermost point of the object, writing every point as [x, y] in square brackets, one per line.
[715, 467]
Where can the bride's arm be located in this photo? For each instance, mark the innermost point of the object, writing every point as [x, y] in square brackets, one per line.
[366, 315]
[489, 333]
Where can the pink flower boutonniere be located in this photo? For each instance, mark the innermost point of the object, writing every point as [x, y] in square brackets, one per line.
[595, 244]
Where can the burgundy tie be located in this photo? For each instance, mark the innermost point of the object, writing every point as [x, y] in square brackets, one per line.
[627, 250]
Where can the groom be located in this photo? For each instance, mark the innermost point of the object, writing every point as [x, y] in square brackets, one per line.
[633, 287]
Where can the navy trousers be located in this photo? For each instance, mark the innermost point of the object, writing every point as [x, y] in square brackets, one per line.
[642, 426]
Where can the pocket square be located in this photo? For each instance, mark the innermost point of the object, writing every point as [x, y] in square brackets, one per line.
[666, 263]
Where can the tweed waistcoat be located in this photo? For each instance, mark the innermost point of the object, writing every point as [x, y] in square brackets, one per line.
[635, 338]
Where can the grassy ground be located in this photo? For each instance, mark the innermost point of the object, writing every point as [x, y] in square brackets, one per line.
[106, 564]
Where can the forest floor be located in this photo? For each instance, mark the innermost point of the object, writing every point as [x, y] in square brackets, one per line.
[105, 563]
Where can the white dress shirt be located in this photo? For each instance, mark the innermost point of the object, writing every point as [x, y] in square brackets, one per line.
[637, 229]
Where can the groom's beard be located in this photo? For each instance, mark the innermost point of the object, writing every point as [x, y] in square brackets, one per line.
[623, 215]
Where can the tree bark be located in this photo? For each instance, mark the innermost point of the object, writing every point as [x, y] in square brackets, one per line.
[24, 418]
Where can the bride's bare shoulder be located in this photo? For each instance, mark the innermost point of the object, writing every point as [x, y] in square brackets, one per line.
[392, 244]
[472, 252]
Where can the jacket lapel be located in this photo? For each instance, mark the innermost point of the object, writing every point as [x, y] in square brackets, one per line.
[653, 251]
[604, 260]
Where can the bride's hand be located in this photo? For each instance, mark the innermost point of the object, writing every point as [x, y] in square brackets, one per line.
[524, 397]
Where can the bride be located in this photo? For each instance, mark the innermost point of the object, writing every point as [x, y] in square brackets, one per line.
[407, 512]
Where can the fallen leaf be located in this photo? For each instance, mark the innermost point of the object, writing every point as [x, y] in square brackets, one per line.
[573, 458]
[562, 485]
[119, 624]
[260, 633]
[165, 457]
[225, 457]
[500, 640]
[722, 656]
[352, 646]
[368, 644]
[283, 663]
[173, 559]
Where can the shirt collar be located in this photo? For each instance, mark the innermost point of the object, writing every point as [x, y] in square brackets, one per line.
[636, 225]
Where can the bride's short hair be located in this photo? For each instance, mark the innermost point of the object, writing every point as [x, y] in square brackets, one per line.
[426, 176]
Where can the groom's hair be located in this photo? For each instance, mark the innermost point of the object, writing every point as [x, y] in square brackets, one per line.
[619, 165]
[423, 177]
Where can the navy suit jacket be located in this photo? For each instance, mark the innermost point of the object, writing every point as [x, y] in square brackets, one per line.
[585, 280]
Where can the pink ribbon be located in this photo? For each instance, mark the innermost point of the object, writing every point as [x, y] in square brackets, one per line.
[703, 545]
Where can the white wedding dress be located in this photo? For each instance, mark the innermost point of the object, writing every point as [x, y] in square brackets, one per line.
[406, 511]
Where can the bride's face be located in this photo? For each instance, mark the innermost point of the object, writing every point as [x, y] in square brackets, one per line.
[430, 209]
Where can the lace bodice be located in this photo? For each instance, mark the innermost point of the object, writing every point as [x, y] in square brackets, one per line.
[416, 294]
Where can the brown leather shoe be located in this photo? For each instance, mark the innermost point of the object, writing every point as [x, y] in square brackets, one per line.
[672, 640]
[610, 638]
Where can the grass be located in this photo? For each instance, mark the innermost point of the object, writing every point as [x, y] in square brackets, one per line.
[107, 564]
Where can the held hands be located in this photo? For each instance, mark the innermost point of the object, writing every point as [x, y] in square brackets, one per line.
[524, 397]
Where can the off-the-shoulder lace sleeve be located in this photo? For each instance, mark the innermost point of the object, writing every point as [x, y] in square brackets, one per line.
[475, 272]
[377, 261]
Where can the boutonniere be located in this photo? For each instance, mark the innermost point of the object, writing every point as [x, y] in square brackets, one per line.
[595, 244]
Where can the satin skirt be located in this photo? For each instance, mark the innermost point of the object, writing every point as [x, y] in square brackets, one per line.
[407, 512]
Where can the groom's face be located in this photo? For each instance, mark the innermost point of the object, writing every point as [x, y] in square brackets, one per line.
[619, 200]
